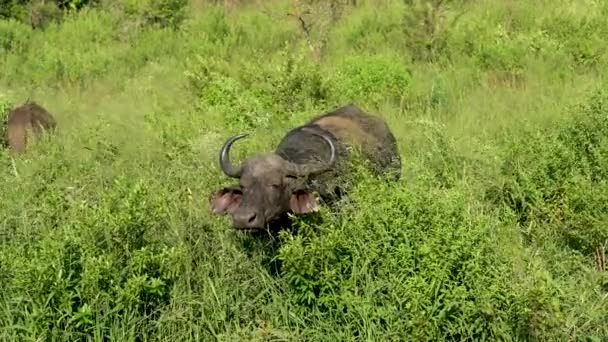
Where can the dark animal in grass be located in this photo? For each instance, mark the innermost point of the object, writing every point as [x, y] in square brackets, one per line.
[24, 120]
[309, 159]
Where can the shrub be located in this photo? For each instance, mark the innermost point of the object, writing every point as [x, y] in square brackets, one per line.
[5, 106]
[291, 81]
[315, 21]
[76, 4]
[70, 274]
[580, 38]
[557, 179]
[40, 13]
[421, 263]
[505, 42]
[15, 9]
[49, 60]
[259, 92]
[216, 90]
[7, 8]
[162, 13]
[369, 79]
[426, 26]
[499, 51]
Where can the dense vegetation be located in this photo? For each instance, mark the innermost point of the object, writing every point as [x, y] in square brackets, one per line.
[497, 230]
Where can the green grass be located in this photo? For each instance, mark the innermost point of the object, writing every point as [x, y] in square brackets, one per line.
[105, 231]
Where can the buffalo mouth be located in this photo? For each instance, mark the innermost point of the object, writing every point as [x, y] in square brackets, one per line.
[251, 229]
[278, 222]
[244, 228]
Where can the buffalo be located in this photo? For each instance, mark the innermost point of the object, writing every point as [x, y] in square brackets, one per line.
[309, 159]
[28, 117]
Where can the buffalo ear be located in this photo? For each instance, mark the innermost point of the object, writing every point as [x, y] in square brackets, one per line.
[303, 202]
[225, 201]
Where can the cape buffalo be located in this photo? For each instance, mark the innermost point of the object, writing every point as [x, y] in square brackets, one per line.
[309, 159]
[29, 116]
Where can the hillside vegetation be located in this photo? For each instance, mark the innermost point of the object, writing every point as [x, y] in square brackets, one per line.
[497, 230]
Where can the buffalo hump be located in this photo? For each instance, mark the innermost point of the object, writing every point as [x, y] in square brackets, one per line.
[29, 117]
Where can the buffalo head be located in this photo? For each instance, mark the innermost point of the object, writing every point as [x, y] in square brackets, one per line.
[269, 186]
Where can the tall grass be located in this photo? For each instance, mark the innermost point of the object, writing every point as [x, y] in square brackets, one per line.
[493, 232]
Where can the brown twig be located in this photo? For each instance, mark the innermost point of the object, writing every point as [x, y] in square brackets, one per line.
[600, 257]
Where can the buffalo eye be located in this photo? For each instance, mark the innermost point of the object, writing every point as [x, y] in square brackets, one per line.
[291, 177]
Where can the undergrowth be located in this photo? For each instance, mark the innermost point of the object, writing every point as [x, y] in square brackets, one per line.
[497, 229]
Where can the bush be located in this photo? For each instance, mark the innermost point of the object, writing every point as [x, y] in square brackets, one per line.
[14, 9]
[557, 179]
[5, 106]
[50, 60]
[292, 82]
[40, 13]
[506, 40]
[580, 38]
[217, 90]
[426, 26]
[259, 92]
[373, 80]
[162, 13]
[69, 275]
[422, 263]
[368, 29]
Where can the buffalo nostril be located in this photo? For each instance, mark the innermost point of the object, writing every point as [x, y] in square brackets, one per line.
[246, 220]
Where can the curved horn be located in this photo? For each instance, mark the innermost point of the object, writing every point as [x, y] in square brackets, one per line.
[307, 169]
[229, 169]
